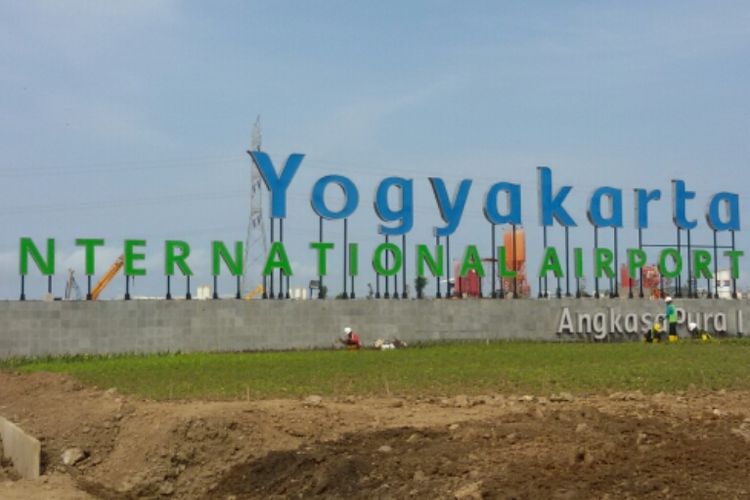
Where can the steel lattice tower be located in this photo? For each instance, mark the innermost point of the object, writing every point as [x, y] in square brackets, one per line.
[256, 228]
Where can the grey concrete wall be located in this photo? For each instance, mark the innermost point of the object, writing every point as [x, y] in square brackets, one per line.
[53, 328]
[24, 450]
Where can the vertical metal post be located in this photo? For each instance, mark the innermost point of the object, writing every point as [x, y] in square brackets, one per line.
[188, 296]
[351, 277]
[49, 284]
[23, 287]
[395, 281]
[515, 263]
[271, 294]
[403, 264]
[678, 280]
[716, 268]
[169, 287]
[567, 263]
[544, 237]
[449, 288]
[238, 295]
[281, 277]
[377, 285]
[734, 280]
[127, 287]
[343, 274]
[216, 285]
[387, 294]
[596, 277]
[617, 268]
[320, 240]
[502, 280]
[690, 267]
[640, 270]
[437, 278]
[492, 238]
[88, 285]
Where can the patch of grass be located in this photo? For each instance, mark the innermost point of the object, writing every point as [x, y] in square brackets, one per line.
[442, 369]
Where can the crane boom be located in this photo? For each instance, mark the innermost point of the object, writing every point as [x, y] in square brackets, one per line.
[108, 276]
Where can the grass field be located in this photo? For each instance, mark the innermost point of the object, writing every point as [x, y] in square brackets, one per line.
[444, 369]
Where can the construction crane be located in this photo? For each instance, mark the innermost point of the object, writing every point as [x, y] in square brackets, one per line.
[71, 287]
[108, 276]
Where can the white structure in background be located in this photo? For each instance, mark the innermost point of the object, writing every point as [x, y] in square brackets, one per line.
[724, 284]
[203, 292]
[298, 293]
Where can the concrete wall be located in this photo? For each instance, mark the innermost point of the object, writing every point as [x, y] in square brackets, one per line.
[24, 450]
[52, 328]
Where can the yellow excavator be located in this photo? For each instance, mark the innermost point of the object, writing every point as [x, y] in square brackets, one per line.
[108, 276]
[254, 293]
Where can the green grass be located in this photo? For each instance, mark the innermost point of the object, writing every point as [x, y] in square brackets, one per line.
[443, 369]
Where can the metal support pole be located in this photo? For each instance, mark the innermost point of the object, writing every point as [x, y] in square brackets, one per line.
[49, 284]
[437, 278]
[23, 287]
[127, 287]
[678, 279]
[395, 281]
[544, 237]
[377, 285]
[616, 292]
[271, 294]
[515, 264]
[449, 288]
[216, 292]
[238, 295]
[281, 278]
[169, 287]
[492, 238]
[567, 262]
[690, 267]
[403, 268]
[320, 240]
[716, 268]
[343, 274]
[387, 294]
[640, 270]
[88, 286]
[734, 280]
[187, 294]
[351, 277]
[596, 278]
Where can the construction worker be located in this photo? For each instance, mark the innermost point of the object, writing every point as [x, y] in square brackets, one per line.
[696, 333]
[351, 340]
[672, 319]
[654, 334]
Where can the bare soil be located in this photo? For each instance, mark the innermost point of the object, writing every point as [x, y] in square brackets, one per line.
[623, 445]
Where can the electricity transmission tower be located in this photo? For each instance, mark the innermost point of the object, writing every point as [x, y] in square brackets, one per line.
[256, 228]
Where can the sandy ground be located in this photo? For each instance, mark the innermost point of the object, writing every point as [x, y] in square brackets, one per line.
[623, 445]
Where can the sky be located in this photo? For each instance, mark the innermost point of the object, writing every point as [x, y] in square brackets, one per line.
[132, 120]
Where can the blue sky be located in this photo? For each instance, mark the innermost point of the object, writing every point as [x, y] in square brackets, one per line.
[131, 119]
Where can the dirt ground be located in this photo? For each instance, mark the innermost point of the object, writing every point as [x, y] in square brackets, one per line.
[622, 445]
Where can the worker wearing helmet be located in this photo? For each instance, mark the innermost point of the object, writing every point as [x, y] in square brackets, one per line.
[671, 313]
[351, 339]
[654, 333]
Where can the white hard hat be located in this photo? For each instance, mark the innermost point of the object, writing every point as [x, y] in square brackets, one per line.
[668, 299]
[347, 330]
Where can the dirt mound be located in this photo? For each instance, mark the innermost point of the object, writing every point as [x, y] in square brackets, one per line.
[624, 445]
[522, 456]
